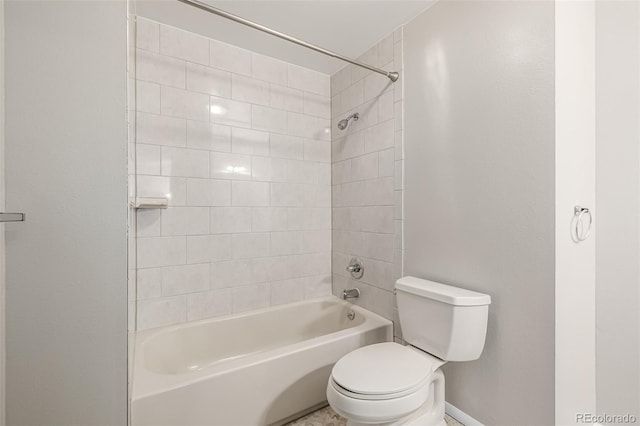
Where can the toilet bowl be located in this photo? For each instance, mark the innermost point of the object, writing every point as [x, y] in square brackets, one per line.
[402, 386]
[391, 384]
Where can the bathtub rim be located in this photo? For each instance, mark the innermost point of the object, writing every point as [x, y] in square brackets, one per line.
[154, 383]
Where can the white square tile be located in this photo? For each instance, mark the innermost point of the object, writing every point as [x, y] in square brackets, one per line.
[268, 69]
[379, 246]
[379, 137]
[161, 311]
[250, 245]
[269, 119]
[377, 219]
[287, 291]
[149, 283]
[303, 78]
[341, 172]
[208, 192]
[250, 193]
[147, 159]
[353, 96]
[184, 162]
[286, 243]
[385, 107]
[386, 162]
[398, 116]
[148, 223]
[302, 125]
[317, 105]
[251, 142]
[251, 90]
[230, 166]
[324, 85]
[208, 304]
[302, 171]
[286, 98]
[208, 80]
[316, 241]
[318, 151]
[185, 279]
[230, 58]
[353, 193]
[185, 221]
[365, 167]
[261, 269]
[231, 273]
[324, 130]
[156, 68]
[251, 297]
[264, 219]
[285, 146]
[311, 264]
[226, 111]
[147, 97]
[184, 104]
[159, 130]
[317, 286]
[351, 145]
[287, 194]
[147, 35]
[379, 192]
[228, 220]
[397, 175]
[161, 251]
[324, 174]
[309, 218]
[213, 137]
[208, 248]
[261, 169]
[184, 45]
[270, 269]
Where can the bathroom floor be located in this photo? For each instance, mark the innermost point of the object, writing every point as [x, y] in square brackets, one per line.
[327, 417]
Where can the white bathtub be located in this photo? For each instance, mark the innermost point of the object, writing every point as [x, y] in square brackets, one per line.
[259, 368]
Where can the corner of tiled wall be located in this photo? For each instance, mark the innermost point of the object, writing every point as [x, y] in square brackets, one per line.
[367, 177]
[241, 145]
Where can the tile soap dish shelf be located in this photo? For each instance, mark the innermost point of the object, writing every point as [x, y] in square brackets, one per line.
[151, 203]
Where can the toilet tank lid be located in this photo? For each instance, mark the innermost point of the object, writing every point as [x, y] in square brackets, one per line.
[441, 292]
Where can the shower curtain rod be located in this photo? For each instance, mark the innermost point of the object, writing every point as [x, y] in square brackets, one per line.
[393, 76]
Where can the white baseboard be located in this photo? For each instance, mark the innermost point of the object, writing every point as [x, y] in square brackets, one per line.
[460, 415]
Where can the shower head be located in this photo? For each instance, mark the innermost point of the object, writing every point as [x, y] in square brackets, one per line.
[342, 124]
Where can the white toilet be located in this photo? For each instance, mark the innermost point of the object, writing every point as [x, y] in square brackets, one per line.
[392, 384]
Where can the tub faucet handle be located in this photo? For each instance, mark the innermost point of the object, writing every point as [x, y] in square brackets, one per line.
[355, 268]
[352, 293]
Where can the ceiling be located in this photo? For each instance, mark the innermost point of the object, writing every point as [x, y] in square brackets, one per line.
[348, 27]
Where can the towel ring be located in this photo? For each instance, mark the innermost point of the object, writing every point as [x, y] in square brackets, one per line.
[579, 213]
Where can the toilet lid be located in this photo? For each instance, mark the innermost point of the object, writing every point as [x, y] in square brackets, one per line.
[383, 368]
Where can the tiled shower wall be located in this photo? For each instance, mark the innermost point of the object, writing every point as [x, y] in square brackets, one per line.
[240, 144]
[367, 165]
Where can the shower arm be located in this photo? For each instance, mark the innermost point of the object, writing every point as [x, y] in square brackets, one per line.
[391, 75]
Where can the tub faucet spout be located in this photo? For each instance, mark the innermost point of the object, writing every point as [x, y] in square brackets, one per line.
[352, 293]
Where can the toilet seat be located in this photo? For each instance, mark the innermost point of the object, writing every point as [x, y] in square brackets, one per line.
[381, 383]
[382, 371]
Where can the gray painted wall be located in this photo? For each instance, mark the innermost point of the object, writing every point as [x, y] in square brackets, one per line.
[479, 182]
[66, 167]
[618, 204]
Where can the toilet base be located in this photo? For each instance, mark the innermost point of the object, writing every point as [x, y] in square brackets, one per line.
[431, 413]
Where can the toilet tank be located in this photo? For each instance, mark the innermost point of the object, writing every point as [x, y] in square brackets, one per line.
[445, 321]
